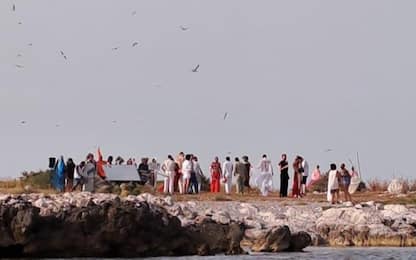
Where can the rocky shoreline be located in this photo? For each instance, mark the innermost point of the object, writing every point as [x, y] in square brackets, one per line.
[105, 225]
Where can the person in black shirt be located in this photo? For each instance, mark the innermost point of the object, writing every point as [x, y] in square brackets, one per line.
[144, 171]
[69, 174]
[247, 164]
[284, 176]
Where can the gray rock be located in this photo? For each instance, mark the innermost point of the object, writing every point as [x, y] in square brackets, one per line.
[299, 241]
[272, 240]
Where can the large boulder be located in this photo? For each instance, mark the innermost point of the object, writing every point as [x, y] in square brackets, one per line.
[276, 239]
[396, 186]
[270, 240]
[299, 241]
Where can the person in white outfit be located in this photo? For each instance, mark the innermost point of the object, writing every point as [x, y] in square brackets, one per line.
[228, 169]
[169, 168]
[305, 173]
[186, 173]
[264, 179]
[198, 172]
[333, 184]
[154, 168]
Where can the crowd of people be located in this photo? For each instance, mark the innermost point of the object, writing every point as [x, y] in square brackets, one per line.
[184, 175]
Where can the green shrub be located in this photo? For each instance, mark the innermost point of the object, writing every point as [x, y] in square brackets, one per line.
[38, 180]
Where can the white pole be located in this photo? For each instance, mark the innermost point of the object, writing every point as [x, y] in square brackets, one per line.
[359, 167]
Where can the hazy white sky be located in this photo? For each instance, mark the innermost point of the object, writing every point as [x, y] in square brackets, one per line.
[295, 76]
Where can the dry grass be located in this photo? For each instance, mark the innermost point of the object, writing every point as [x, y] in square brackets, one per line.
[378, 185]
[37, 182]
[381, 186]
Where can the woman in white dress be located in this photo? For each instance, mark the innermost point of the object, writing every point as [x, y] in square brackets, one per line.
[333, 184]
[186, 173]
[264, 180]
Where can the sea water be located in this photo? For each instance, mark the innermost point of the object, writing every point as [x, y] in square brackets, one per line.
[314, 253]
[320, 253]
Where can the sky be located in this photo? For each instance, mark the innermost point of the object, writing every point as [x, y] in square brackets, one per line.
[295, 77]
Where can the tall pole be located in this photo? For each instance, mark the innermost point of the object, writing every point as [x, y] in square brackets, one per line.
[359, 167]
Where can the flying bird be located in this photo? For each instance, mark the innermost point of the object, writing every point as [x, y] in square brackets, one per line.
[183, 28]
[19, 66]
[115, 48]
[57, 125]
[328, 150]
[114, 121]
[19, 22]
[30, 44]
[134, 44]
[133, 13]
[14, 7]
[196, 68]
[23, 122]
[225, 115]
[63, 54]
[19, 55]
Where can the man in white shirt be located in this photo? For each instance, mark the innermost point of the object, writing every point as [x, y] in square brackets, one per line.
[228, 174]
[305, 173]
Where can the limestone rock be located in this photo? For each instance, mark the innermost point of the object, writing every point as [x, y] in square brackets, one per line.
[396, 186]
[272, 240]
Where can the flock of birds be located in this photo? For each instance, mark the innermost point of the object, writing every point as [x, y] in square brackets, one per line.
[134, 44]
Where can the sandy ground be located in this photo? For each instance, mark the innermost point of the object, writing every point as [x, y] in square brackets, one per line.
[253, 196]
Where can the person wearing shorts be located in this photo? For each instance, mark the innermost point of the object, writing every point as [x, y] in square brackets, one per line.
[345, 182]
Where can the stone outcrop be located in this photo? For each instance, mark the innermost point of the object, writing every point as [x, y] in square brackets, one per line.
[105, 225]
[320, 224]
[368, 226]
[84, 224]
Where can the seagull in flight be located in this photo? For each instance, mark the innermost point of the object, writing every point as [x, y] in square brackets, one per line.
[183, 28]
[63, 54]
[115, 48]
[23, 122]
[225, 115]
[134, 44]
[133, 13]
[14, 7]
[30, 44]
[328, 150]
[19, 66]
[19, 55]
[196, 68]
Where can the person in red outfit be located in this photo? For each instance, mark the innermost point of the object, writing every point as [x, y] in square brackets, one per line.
[296, 178]
[216, 173]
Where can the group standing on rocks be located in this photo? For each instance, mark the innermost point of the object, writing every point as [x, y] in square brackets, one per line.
[184, 175]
